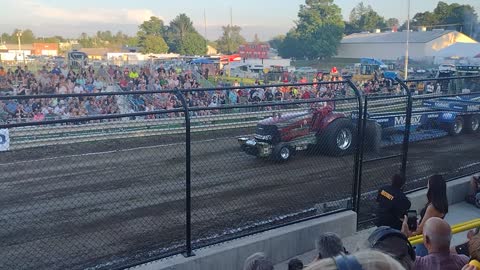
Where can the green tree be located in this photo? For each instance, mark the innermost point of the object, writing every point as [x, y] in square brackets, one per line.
[231, 39]
[151, 28]
[292, 45]
[454, 16]
[183, 38]
[27, 36]
[364, 18]
[393, 22]
[350, 28]
[424, 19]
[131, 41]
[154, 44]
[318, 31]
[6, 38]
[276, 41]
[193, 44]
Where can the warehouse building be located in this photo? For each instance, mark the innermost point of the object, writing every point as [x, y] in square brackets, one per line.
[423, 44]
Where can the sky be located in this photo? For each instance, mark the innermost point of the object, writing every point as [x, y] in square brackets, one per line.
[267, 18]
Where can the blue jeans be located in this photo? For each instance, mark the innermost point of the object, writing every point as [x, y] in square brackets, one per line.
[421, 250]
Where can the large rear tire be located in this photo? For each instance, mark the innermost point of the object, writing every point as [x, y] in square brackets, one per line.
[339, 138]
[472, 124]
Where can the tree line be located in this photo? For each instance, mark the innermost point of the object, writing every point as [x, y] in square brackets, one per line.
[153, 36]
[320, 28]
[316, 34]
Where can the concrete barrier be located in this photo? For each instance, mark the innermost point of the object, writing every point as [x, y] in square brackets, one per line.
[456, 192]
[279, 245]
[287, 242]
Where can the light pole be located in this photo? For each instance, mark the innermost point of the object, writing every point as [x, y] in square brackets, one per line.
[408, 40]
[19, 35]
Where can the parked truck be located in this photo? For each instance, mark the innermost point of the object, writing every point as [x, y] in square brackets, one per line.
[334, 133]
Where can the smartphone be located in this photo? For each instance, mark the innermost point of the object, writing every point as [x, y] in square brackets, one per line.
[412, 220]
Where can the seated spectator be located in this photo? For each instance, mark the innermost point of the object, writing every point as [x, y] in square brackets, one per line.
[394, 243]
[258, 261]
[329, 245]
[473, 196]
[366, 260]
[295, 264]
[463, 248]
[436, 206]
[393, 204]
[437, 235]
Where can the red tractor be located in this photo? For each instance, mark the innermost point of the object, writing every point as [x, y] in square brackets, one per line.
[280, 136]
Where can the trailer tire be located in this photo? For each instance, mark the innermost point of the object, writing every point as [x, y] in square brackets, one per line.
[339, 138]
[282, 152]
[472, 124]
[456, 128]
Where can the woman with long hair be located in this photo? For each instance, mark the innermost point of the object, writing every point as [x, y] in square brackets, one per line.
[436, 206]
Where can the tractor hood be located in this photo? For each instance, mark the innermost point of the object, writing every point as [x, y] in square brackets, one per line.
[286, 118]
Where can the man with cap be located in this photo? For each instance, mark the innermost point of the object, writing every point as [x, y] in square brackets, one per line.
[394, 243]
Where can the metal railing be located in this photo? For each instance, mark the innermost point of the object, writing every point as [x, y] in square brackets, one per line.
[136, 191]
[457, 228]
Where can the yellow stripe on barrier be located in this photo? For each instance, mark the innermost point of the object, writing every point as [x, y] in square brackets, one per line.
[457, 228]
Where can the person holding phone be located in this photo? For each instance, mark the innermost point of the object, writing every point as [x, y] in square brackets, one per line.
[392, 204]
[463, 248]
[436, 206]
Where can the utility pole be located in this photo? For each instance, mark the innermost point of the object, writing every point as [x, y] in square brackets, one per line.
[230, 30]
[19, 35]
[408, 40]
[205, 23]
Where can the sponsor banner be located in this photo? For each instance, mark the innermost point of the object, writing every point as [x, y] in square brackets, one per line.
[4, 140]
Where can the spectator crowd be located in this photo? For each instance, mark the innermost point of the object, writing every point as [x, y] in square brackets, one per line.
[388, 246]
[131, 79]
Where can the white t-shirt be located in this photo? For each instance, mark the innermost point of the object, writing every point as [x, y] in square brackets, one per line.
[78, 89]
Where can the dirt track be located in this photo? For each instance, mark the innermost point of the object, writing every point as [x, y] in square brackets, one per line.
[87, 204]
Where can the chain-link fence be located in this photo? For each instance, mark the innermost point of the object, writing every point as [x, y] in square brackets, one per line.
[449, 110]
[133, 185]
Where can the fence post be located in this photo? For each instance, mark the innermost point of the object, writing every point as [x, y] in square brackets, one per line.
[188, 175]
[408, 124]
[361, 149]
[357, 166]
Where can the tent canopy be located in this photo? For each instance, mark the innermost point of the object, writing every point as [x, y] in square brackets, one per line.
[460, 50]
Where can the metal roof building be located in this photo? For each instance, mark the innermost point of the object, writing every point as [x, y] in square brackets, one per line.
[423, 45]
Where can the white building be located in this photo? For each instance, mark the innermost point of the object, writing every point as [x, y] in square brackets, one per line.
[423, 45]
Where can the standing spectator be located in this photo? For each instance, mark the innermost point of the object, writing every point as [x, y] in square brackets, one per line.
[437, 236]
[393, 204]
[437, 206]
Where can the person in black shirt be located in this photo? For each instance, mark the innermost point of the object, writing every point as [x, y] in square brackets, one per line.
[392, 204]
